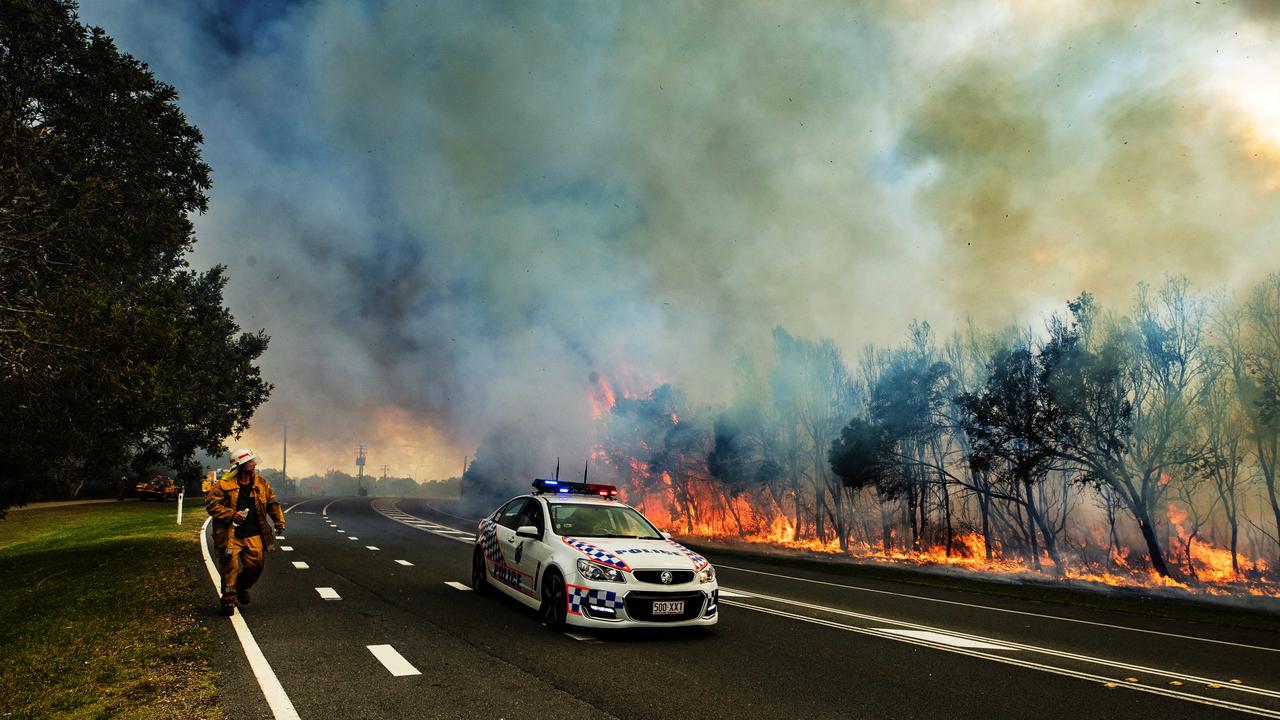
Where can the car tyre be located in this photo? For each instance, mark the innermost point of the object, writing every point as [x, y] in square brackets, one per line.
[553, 609]
[479, 579]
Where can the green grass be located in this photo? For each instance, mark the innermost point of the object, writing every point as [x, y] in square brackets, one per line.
[1135, 602]
[99, 616]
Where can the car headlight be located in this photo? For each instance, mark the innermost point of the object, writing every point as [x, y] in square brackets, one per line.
[707, 574]
[594, 571]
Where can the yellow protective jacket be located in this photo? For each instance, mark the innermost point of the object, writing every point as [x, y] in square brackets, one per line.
[221, 500]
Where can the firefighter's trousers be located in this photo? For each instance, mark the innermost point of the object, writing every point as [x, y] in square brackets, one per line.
[241, 565]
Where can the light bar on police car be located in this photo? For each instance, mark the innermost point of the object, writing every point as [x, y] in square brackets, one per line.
[576, 488]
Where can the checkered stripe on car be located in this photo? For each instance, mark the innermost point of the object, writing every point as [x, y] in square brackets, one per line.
[489, 541]
[699, 562]
[604, 557]
[595, 598]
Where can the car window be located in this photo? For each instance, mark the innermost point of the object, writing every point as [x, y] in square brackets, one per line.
[601, 521]
[506, 517]
[531, 515]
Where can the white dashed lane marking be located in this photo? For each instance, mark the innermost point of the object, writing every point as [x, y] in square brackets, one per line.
[352, 537]
[328, 593]
[287, 548]
[458, 586]
[371, 547]
[393, 661]
[301, 565]
[405, 563]
[584, 638]
[342, 531]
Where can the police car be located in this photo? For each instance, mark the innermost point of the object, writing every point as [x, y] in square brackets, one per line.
[581, 557]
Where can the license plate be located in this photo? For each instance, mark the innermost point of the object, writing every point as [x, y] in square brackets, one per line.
[670, 607]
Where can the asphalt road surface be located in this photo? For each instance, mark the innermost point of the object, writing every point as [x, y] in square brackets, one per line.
[402, 636]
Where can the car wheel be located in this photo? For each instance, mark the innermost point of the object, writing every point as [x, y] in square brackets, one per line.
[479, 579]
[553, 608]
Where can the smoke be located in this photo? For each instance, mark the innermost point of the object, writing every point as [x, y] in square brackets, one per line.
[448, 216]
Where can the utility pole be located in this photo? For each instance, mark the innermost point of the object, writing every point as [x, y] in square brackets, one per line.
[384, 477]
[284, 462]
[360, 469]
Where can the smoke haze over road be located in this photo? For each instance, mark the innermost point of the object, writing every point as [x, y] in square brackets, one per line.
[447, 216]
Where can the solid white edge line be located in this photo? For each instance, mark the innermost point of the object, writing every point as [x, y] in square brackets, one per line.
[286, 512]
[943, 638]
[277, 699]
[998, 609]
[1019, 662]
[458, 586]
[393, 661]
[325, 511]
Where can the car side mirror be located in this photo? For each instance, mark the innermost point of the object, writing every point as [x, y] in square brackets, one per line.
[528, 531]
[666, 535]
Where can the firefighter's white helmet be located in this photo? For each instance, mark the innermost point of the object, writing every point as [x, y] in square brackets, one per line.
[242, 456]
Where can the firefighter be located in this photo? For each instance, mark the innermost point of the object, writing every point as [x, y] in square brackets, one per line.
[244, 511]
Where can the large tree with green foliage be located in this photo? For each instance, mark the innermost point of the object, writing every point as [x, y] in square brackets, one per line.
[110, 344]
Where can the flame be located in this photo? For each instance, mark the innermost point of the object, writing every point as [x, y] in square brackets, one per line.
[695, 504]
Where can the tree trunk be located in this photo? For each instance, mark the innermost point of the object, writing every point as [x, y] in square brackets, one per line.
[1235, 557]
[1153, 542]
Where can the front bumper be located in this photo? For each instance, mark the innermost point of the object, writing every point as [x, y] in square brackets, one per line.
[621, 605]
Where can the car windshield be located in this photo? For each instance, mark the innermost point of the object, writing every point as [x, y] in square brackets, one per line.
[603, 521]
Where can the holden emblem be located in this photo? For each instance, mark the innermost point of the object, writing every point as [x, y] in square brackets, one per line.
[666, 577]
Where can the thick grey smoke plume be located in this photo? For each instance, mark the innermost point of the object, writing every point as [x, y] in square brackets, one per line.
[448, 215]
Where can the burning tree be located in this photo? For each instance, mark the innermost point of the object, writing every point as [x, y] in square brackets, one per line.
[1138, 438]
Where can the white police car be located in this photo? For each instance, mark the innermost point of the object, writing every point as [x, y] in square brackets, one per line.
[582, 557]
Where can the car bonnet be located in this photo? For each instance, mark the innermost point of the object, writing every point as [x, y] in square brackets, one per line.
[636, 554]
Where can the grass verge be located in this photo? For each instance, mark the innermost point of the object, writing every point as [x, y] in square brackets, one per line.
[1246, 613]
[99, 618]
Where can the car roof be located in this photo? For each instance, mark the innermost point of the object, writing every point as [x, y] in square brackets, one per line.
[580, 500]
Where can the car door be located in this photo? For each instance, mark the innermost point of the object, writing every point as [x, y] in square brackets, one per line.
[532, 554]
[508, 572]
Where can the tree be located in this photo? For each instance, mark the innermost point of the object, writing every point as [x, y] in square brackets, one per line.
[1010, 424]
[109, 343]
[1256, 366]
[907, 401]
[1122, 404]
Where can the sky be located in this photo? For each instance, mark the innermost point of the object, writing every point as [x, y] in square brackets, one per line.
[448, 216]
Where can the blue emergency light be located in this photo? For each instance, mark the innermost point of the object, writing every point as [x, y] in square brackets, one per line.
[548, 485]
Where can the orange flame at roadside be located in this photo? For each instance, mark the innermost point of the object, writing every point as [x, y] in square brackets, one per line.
[698, 506]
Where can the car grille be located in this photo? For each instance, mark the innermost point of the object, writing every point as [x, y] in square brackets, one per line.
[640, 606]
[655, 576]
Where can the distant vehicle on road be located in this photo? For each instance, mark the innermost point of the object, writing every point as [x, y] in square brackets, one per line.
[159, 487]
[581, 557]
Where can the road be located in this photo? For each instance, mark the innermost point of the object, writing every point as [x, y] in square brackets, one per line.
[791, 642]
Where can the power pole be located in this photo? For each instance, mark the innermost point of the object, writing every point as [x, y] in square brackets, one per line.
[360, 469]
[384, 477]
[284, 462]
